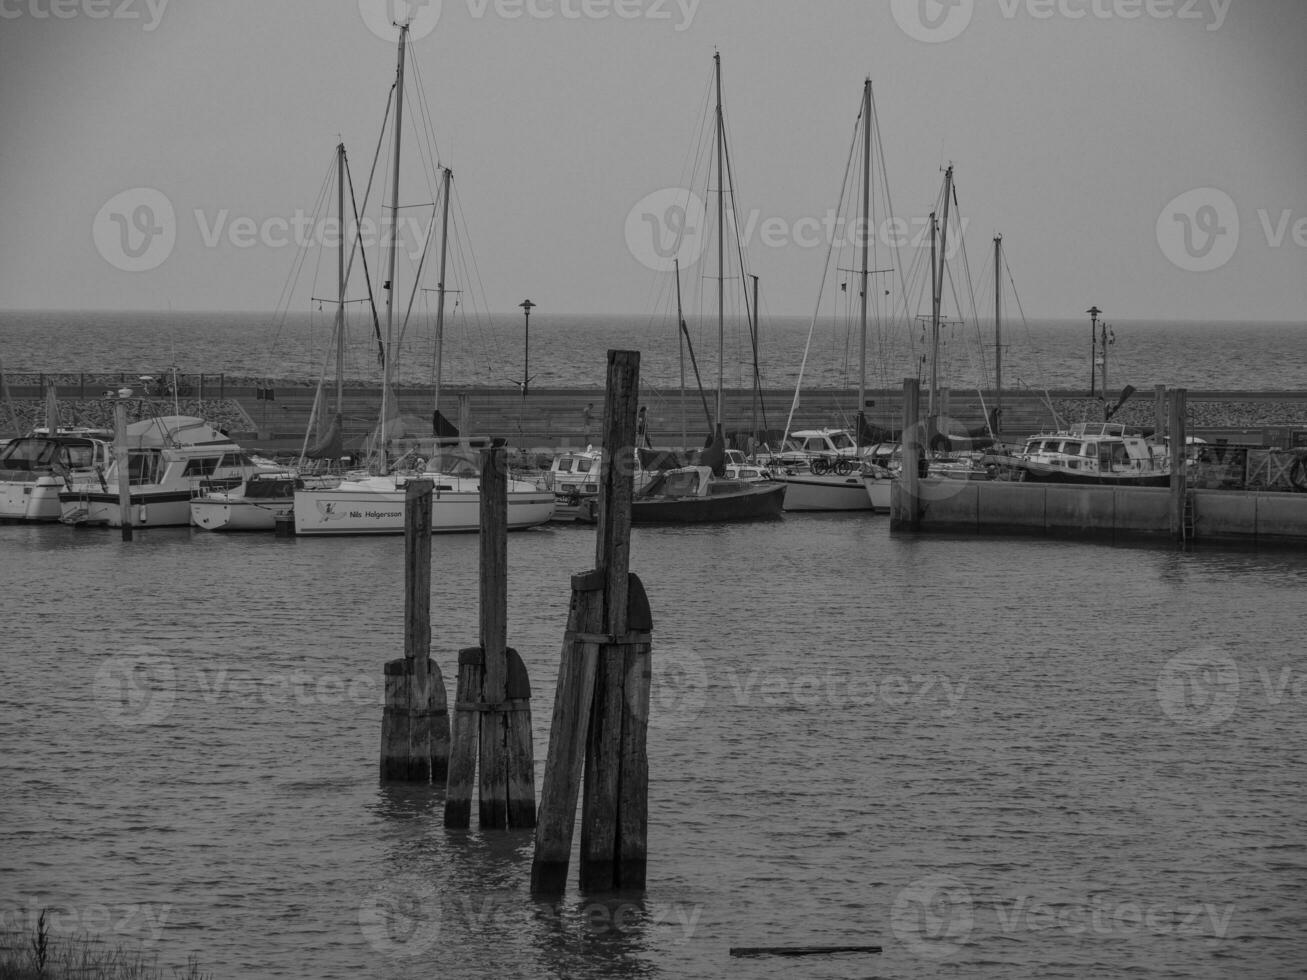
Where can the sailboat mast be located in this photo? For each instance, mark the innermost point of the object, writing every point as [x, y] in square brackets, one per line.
[934, 318]
[865, 231]
[939, 285]
[998, 335]
[680, 336]
[340, 283]
[721, 235]
[440, 297]
[757, 381]
[394, 227]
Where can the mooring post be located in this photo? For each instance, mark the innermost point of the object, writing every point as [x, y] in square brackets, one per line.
[1159, 410]
[492, 725]
[121, 464]
[415, 720]
[1179, 481]
[905, 510]
[464, 418]
[601, 706]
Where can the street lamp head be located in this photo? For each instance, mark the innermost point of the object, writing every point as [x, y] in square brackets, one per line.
[1094, 311]
[526, 305]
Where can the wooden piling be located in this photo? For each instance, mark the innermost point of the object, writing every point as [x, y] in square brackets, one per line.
[415, 720]
[121, 464]
[1179, 476]
[906, 505]
[600, 720]
[493, 793]
[1159, 410]
[492, 725]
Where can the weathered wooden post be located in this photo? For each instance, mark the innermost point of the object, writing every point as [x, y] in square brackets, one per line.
[1179, 482]
[1159, 410]
[905, 509]
[601, 708]
[122, 464]
[464, 418]
[415, 721]
[493, 698]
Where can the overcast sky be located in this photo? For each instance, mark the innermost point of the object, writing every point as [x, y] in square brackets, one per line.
[1146, 156]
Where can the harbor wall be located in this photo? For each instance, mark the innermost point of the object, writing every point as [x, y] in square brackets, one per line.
[1109, 513]
[274, 414]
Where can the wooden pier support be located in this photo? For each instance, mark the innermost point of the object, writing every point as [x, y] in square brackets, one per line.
[1179, 476]
[415, 720]
[601, 708]
[905, 506]
[120, 460]
[492, 724]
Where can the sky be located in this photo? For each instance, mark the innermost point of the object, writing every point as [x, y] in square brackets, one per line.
[1145, 156]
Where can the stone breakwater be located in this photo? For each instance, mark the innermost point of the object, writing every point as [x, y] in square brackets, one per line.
[23, 415]
[1223, 413]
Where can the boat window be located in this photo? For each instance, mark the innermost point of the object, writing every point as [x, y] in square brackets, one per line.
[565, 465]
[683, 484]
[27, 454]
[201, 466]
[583, 465]
[842, 440]
[1091, 449]
[1050, 445]
[815, 444]
[143, 466]
[79, 456]
[1071, 447]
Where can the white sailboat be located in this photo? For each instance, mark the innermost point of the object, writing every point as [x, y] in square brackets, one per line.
[374, 504]
[828, 469]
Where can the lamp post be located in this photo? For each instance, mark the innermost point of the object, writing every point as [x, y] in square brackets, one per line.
[1093, 312]
[526, 351]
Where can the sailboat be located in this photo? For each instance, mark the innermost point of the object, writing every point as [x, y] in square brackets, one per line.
[701, 491]
[374, 504]
[828, 469]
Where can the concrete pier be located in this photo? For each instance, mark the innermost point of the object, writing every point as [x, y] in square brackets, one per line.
[1240, 517]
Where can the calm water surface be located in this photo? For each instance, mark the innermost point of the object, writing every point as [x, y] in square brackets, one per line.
[996, 757]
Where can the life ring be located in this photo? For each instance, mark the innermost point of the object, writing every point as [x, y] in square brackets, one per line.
[1298, 474]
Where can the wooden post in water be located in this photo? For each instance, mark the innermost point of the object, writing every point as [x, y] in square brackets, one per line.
[601, 706]
[121, 464]
[906, 509]
[1179, 481]
[464, 418]
[415, 720]
[1159, 410]
[493, 698]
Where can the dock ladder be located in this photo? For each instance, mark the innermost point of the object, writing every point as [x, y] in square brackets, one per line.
[1187, 524]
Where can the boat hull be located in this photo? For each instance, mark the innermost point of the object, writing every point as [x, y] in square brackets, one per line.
[824, 493]
[30, 500]
[879, 491]
[759, 502]
[344, 511]
[1037, 473]
[167, 508]
[233, 514]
